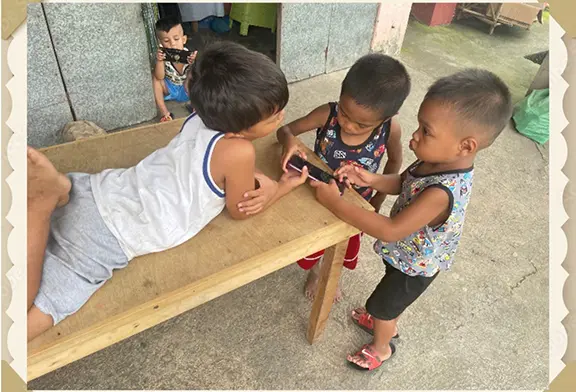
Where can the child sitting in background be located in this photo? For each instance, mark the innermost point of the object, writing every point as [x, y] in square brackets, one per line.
[83, 226]
[357, 130]
[461, 115]
[170, 78]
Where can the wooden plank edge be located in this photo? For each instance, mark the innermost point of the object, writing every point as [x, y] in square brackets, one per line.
[158, 127]
[78, 345]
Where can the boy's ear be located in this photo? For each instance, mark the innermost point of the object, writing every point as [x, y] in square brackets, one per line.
[469, 146]
[184, 39]
[233, 135]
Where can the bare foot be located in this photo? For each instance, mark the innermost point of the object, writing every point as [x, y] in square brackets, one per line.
[338, 297]
[47, 188]
[312, 286]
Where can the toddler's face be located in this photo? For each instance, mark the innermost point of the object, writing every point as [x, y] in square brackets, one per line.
[355, 119]
[439, 134]
[174, 39]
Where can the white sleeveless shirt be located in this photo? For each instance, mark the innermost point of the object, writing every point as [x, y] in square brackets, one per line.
[167, 198]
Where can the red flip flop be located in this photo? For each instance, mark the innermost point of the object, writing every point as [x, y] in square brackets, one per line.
[366, 322]
[368, 354]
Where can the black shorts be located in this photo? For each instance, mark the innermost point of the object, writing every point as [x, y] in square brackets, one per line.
[395, 292]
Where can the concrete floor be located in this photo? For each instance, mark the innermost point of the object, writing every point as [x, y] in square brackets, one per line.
[484, 325]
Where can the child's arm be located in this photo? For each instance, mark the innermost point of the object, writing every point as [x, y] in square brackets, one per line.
[233, 165]
[389, 184]
[269, 191]
[159, 71]
[394, 152]
[429, 206]
[287, 134]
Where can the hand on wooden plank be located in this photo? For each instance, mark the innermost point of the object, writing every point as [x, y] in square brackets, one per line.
[255, 201]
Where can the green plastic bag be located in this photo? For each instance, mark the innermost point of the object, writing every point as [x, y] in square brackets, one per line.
[532, 116]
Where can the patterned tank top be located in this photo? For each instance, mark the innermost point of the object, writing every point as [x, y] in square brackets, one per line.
[334, 152]
[430, 249]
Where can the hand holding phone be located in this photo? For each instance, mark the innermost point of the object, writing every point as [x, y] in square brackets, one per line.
[176, 55]
[314, 172]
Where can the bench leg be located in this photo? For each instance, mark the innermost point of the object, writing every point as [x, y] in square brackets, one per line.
[328, 282]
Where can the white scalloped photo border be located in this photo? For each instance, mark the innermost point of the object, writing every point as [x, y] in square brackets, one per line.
[16, 154]
[558, 241]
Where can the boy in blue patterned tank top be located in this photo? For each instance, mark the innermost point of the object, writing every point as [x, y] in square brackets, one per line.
[358, 130]
[460, 115]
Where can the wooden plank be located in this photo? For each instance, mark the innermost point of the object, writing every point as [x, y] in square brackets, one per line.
[328, 282]
[54, 355]
[192, 273]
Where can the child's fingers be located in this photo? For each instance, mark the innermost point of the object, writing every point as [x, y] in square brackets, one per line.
[284, 163]
[255, 211]
[316, 184]
[252, 208]
[304, 175]
[252, 194]
[243, 205]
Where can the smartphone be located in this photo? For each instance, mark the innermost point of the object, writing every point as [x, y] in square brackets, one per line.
[314, 172]
[176, 55]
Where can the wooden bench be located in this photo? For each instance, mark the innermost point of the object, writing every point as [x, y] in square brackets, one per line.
[225, 255]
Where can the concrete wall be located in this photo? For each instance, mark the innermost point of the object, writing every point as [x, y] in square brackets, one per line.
[303, 31]
[318, 38]
[48, 108]
[103, 57]
[390, 27]
[351, 29]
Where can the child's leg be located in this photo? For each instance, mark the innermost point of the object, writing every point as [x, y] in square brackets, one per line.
[160, 91]
[80, 255]
[395, 292]
[350, 261]
[38, 322]
[47, 190]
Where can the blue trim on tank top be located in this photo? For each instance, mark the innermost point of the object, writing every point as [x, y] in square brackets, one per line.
[205, 171]
[190, 117]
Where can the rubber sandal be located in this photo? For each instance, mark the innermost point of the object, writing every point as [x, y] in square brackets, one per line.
[366, 322]
[168, 117]
[367, 354]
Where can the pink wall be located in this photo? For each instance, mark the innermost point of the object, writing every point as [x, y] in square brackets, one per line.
[390, 27]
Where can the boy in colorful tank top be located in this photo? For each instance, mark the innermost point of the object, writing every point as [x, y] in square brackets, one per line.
[169, 79]
[358, 130]
[461, 114]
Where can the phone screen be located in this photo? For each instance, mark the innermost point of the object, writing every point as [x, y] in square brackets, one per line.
[176, 55]
[314, 172]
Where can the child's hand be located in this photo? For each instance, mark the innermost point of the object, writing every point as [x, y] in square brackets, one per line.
[160, 55]
[291, 148]
[255, 201]
[351, 174]
[293, 179]
[326, 193]
[192, 57]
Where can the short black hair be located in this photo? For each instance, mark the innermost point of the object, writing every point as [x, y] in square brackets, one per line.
[378, 82]
[233, 88]
[478, 96]
[166, 24]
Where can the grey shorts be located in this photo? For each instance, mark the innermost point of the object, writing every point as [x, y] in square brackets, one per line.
[80, 255]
